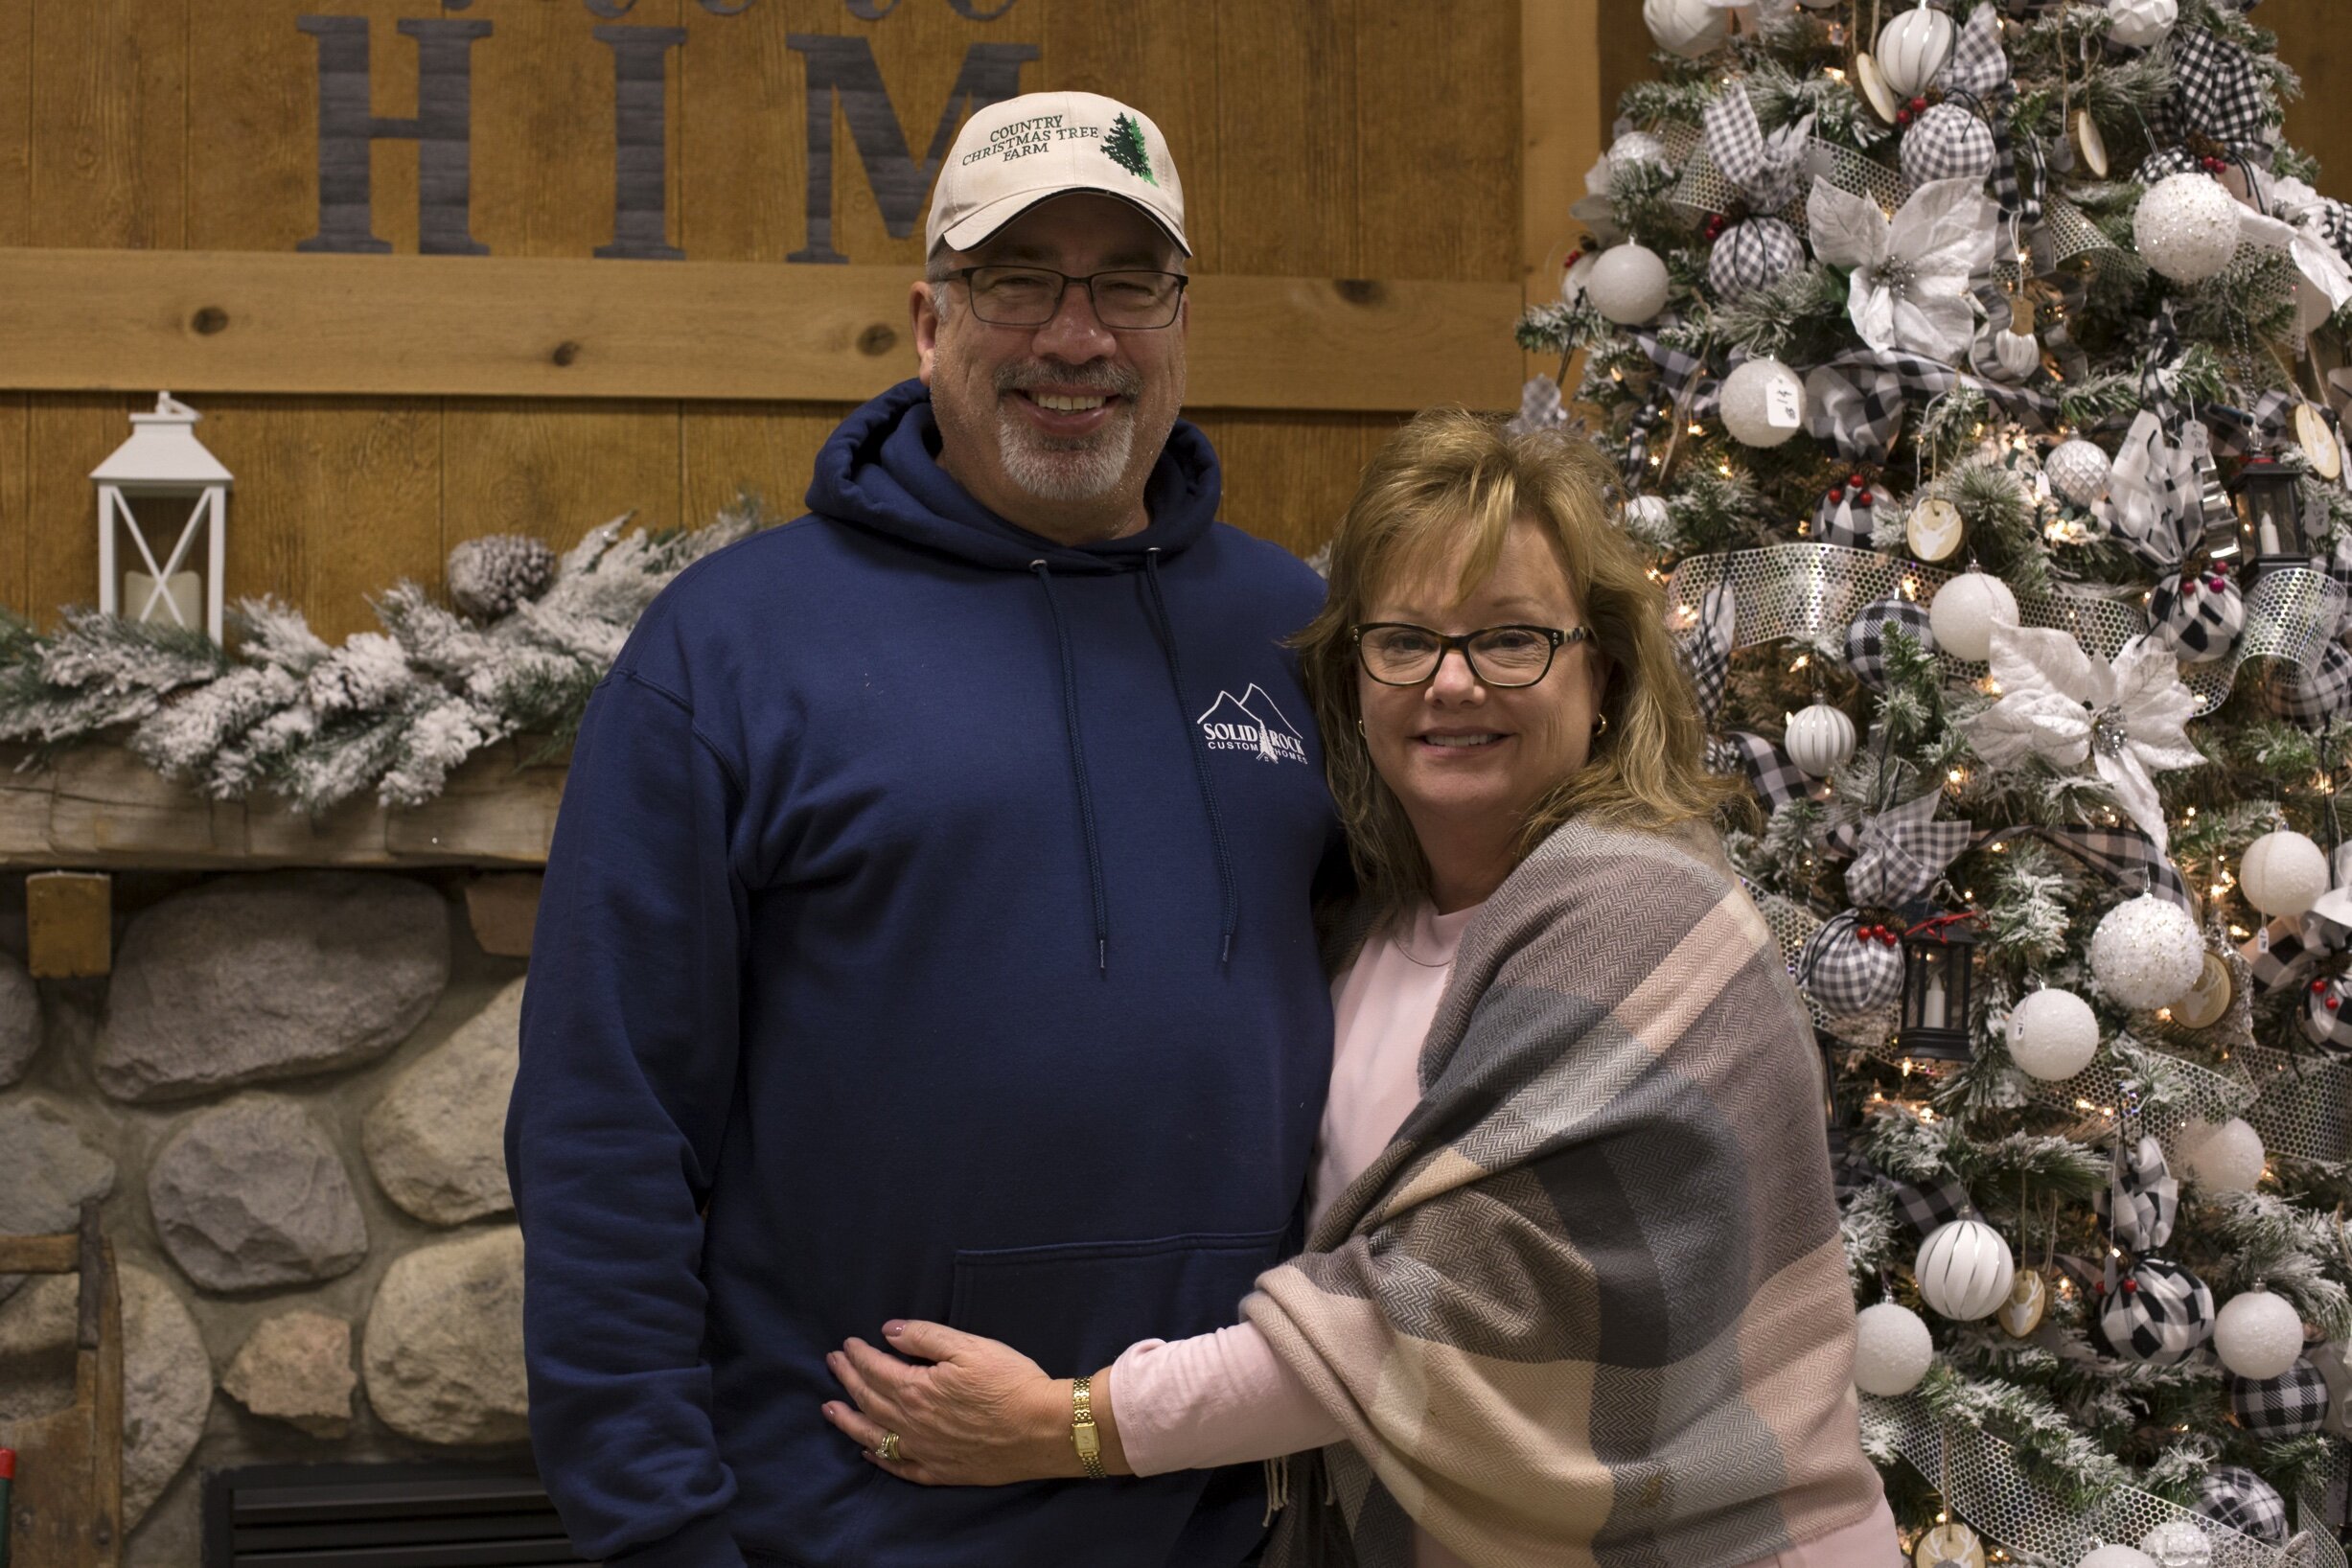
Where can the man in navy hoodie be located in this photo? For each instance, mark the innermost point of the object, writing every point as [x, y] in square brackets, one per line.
[926, 930]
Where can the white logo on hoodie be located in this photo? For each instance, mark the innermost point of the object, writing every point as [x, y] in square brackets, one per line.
[1252, 723]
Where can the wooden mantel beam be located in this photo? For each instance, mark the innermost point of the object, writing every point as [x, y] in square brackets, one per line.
[98, 807]
[511, 327]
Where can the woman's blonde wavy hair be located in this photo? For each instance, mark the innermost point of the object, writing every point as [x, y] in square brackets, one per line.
[1451, 477]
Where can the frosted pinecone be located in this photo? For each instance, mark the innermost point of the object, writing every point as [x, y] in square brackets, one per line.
[491, 575]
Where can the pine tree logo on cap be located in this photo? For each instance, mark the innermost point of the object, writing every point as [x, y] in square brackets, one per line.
[1124, 147]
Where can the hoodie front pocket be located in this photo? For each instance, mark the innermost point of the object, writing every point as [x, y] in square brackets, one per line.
[1074, 1307]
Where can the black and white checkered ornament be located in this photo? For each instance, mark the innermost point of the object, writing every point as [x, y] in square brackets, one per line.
[2142, 1197]
[1846, 513]
[1927, 1207]
[2327, 1011]
[2198, 616]
[1947, 142]
[1853, 966]
[2310, 696]
[2232, 1495]
[1866, 638]
[2159, 1313]
[1752, 254]
[2290, 1405]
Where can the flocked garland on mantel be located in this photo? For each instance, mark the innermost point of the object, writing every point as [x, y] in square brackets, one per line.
[392, 711]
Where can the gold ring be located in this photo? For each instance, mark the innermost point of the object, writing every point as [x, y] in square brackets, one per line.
[890, 1447]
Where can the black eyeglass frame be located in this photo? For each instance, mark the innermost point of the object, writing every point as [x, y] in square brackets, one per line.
[965, 275]
[1553, 636]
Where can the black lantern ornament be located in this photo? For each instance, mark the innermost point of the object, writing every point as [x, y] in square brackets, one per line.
[1939, 969]
[2271, 516]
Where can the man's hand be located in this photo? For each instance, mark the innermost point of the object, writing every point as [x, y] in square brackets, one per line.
[981, 1415]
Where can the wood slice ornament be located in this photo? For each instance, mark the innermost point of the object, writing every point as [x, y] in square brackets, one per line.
[1872, 81]
[1950, 1545]
[2206, 1001]
[1935, 530]
[2318, 440]
[2091, 144]
[2028, 1303]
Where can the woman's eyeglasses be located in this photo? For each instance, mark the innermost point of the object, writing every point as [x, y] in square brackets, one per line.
[1400, 653]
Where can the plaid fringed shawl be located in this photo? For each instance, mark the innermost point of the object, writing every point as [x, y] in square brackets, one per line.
[1589, 1307]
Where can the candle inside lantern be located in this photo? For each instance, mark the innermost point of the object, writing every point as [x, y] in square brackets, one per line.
[182, 600]
[1931, 1004]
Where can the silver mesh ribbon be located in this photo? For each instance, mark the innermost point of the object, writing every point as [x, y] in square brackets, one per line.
[1984, 1483]
[1705, 189]
[2305, 1105]
[1813, 591]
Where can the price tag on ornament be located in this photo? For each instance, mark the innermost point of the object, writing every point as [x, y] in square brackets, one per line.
[2317, 441]
[1783, 403]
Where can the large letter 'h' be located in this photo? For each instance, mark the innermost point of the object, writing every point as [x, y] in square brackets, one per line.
[442, 129]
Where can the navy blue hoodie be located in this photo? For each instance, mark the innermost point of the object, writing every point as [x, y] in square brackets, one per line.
[925, 933]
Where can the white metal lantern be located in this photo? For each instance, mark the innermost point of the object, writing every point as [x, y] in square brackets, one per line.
[143, 486]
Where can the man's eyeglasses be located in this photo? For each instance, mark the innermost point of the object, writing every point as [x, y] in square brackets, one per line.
[1399, 654]
[1029, 296]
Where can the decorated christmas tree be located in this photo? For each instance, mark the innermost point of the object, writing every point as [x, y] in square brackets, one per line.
[1971, 370]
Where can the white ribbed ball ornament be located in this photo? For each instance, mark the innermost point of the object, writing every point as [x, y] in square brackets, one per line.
[2226, 1158]
[1966, 610]
[2137, 24]
[1689, 28]
[2079, 471]
[1964, 1269]
[1763, 402]
[2283, 873]
[1650, 520]
[2258, 1335]
[2186, 227]
[1820, 739]
[2145, 952]
[2053, 1035]
[1891, 1349]
[1913, 48]
[2177, 1543]
[1627, 284]
[2116, 1555]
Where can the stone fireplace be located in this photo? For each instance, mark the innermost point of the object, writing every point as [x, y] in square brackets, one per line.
[288, 1096]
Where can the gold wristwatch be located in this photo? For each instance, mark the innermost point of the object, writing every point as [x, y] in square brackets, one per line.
[1083, 1434]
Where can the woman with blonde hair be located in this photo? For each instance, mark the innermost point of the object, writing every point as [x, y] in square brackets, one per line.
[1573, 1290]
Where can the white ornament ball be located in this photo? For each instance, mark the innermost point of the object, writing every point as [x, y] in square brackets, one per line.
[1966, 610]
[1627, 284]
[2283, 873]
[2225, 1159]
[1689, 28]
[2079, 471]
[2177, 1543]
[2187, 227]
[2137, 24]
[1650, 520]
[1913, 48]
[1636, 147]
[2147, 952]
[1964, 1269]
[2116, 1556]
[1763, 402]
[2053, 1035]
[1820, 739]
[2258, 1335]
[1891, 1349]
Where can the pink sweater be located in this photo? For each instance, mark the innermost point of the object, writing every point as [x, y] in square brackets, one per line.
[1223, 1398]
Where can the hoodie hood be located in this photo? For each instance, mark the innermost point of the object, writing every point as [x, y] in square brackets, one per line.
[880, 471]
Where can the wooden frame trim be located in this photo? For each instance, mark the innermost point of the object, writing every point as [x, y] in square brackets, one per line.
[499, 327]
[1561, 122]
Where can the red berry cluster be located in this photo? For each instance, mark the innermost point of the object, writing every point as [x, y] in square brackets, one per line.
[2214, 163]
[1910, 111]
[1716, 225]
[2330, 1000]
[2213, 580]
[1856, 483]
[1879, 934]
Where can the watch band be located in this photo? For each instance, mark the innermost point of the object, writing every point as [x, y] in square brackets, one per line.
[1083, 1433]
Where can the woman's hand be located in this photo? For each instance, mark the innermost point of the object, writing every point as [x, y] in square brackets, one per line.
[981, 1415]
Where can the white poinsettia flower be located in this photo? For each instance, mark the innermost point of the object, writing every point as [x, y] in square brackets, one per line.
[2065, 705]
[2293, 220]
[1594, 208]
[1911, 274]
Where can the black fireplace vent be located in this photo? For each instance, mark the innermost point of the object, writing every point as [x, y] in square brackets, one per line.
[381, 1516]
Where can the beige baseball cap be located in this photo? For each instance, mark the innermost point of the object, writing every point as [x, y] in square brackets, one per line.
[1017, 153]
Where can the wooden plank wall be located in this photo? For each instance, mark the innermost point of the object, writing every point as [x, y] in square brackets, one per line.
[1331, 138]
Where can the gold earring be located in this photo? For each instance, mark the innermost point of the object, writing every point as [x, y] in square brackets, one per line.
[1359, 728]
[1602, 728]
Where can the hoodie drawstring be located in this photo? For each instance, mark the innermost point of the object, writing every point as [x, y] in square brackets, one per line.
[1077, 767]
[1200, 757]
